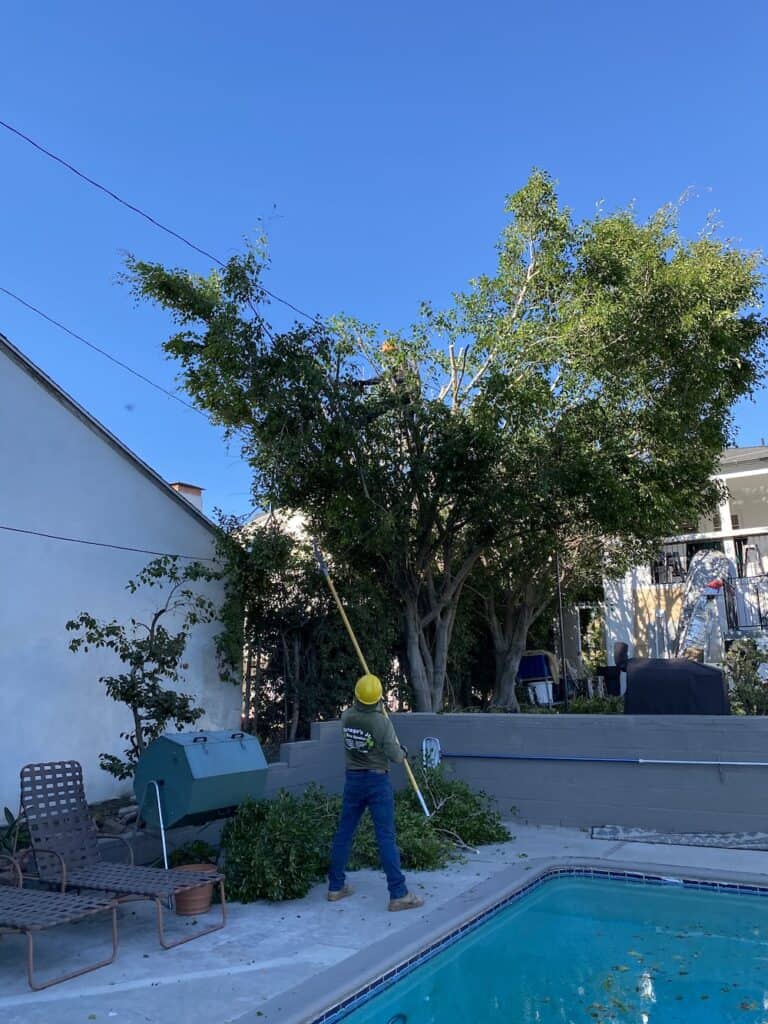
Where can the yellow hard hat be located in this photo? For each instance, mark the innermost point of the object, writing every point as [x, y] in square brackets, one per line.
[368, 689]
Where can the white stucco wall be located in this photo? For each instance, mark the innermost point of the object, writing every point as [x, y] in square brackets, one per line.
[58, 475]
[619, 608]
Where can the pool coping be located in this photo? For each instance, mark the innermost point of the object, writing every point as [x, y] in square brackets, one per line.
[320, 998]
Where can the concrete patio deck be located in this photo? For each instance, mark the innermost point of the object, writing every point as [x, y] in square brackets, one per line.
[272, 959]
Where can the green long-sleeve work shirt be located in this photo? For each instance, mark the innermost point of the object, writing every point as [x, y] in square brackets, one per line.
[369, 738]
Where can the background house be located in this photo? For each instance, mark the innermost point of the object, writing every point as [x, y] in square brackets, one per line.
[642, 609]
[63, 475]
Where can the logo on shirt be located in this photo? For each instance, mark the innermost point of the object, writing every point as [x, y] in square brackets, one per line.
[358, 740]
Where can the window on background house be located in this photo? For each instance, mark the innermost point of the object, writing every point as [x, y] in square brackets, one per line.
[701, 545]
[667, 567]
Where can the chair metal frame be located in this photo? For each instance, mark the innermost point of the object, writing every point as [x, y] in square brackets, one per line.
[59, 821]
[27, 911]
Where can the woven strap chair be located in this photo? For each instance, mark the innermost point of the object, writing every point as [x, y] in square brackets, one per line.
[27, 911]
[65, 843]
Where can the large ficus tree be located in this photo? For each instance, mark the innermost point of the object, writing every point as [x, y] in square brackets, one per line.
[581, 391]
[391, 469]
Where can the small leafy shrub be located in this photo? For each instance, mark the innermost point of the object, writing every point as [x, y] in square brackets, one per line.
[581, 706]
[749, 693]
[196, 852]
[596, 706]
[278, 849]
[13, 835]
[150, 655]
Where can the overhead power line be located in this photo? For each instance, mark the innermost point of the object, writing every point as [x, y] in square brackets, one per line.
[104, 544]
[148, 217]
[101, 351]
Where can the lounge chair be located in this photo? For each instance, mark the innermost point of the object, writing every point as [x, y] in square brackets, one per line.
[56, 813]
[27, 911]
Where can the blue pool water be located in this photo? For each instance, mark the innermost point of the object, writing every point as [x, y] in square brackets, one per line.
[593, 951]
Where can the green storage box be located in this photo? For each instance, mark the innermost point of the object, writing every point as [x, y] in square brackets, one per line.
[201, 775]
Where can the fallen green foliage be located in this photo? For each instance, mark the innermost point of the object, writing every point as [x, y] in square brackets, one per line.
[278, 849]
[458, 810]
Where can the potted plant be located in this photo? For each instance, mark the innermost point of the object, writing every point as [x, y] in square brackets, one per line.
[195, 856]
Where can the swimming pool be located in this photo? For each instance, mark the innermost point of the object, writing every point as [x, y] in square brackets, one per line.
[590, 950]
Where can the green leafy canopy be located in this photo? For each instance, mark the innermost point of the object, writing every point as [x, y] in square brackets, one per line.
[575, 401]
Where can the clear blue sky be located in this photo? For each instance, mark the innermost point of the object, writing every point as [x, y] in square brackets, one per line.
[376, 142]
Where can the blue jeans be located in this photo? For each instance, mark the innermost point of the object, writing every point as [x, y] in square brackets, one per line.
[372, 790]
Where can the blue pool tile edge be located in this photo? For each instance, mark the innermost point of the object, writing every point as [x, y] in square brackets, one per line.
[338, 1011]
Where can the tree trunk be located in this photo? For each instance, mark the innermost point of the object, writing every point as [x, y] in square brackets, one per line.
[296, 674]
[508, 661]
[443, 630]
[509, 642]
[428, 642]
[418, 674]
[247, 705]
[256, 691]
[294, 726]
[138, 725]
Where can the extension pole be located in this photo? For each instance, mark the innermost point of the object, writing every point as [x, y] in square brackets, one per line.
[363, 662]
[561, 628]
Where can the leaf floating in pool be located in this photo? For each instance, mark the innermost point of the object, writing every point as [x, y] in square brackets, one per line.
[747, 1004]
[635, 954]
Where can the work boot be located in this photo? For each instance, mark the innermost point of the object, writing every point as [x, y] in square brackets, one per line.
[333, 895]
[408, 902]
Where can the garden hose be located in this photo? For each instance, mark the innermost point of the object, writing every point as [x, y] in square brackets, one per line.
[363, 662]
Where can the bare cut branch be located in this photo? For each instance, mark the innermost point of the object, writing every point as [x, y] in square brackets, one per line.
[450, 384]
[454, 376]
[479, 373]
[458, 371]
[529, 276]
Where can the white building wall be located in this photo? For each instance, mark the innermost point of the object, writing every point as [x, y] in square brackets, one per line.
[58, 475]
[619, 608]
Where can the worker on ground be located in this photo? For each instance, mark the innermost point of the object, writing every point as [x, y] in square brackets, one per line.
[370, 744]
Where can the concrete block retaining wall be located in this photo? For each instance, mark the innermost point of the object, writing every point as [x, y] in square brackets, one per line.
[582, 794]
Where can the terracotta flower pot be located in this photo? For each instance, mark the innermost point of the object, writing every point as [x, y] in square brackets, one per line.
[197, 900]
